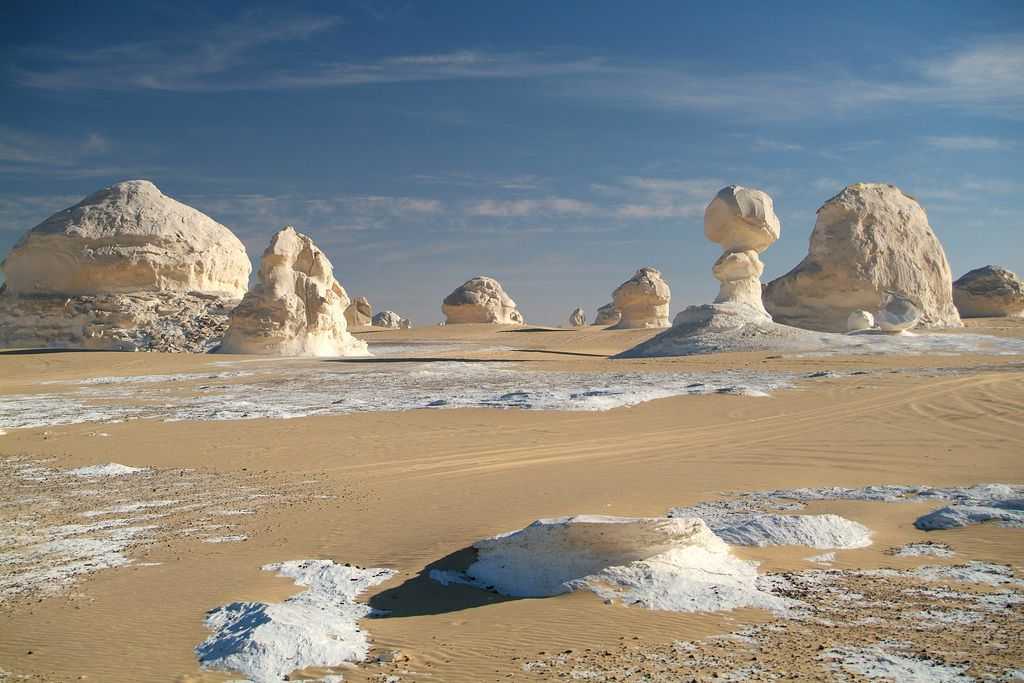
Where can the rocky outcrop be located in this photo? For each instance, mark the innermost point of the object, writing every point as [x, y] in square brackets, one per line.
[391, 321]
[577, 318]
[141, 321]
[992, 291]
[897, 314]
[868, 240]
[359, 313]
[859, 321]
[607, 315]
[642, 300]
[481, 300]
[296, 308]
[129, 237]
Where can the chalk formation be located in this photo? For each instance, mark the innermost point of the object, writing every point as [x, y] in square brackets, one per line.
[481, 299]
[127, 268]
[607, 315]
[391, 321]
[870, 240]
[296, 308]
[642, 301]
[992, 291]
[359, 313]
[577, 318]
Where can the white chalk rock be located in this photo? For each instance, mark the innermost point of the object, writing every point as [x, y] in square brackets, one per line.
[359, 313]
[481, 299]
[992, 291]
[296, 308]
[741, 219]
[129, 237]
[391, 320]
[899, 314]
[607, 315]
[869, 239]
[642, 300]
[860, 320]
[578, 318]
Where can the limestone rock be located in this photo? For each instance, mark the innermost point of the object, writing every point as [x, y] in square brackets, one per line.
[296, 308]
[642, 300]
[741, 219]
[898, 314]
[391, 320]
[860, 320]
[992, 291]
[140, 321]
[359, 313]
[481, 300]
[607, 315]
[578, 318]
[869, 239]
[129, 237]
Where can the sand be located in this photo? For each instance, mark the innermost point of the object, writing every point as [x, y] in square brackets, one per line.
[406, 490]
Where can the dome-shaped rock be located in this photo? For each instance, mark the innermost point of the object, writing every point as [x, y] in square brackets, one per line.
[481, 300]
[898, 314]
[391, 321]
[296, 308]
[642, 300]
[129, 237]
[992, 291]
[860, 320]
[607, 315]
[869, 239]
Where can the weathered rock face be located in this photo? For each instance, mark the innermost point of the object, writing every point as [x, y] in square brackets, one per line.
[743, 222]
[607, 315]
[897, 314]
[481, 300]
[142, 321]
[296, 308]
[577, 318]
[391, 321]
[868, 240]
[992, 291]
[129, 237]
[860, 320]
[359, 313]
[642, 300]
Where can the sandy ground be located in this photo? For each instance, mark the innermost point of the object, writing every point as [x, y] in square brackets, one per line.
[404, 490]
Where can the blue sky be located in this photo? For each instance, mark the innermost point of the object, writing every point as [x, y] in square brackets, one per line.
[555, 146]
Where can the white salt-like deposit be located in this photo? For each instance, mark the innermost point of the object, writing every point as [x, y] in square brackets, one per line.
[335, 388]
[813, 531]
[1009, 513]
[884, 661]
[928, 549]
[657, 563]
[111, 469]
[318, 627]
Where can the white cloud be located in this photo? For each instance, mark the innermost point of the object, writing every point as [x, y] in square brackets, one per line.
[518, 208]
[776, 146]
[967, 143]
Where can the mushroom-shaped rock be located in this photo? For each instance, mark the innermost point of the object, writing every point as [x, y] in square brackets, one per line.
[128, 237]
[359, 313]
[899, 314]
[577, 318]
[481, 299]
[741, 219]
[642, 300]
[860, 320]
[992, 291]
[868, 240]
[607, 315]
[296, 308]
[391, 321]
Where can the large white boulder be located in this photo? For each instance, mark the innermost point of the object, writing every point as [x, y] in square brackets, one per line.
[296, 308]
[992, 291]
[858, 321]
[868, 240]
[897, 314]
[128, 237]
[642, 300]
[607, 315]
[391, 321]
[359, 313]
[481, 299]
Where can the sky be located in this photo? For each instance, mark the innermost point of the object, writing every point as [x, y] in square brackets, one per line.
[556, 146]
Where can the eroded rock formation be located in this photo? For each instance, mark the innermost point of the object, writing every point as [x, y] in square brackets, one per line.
[992, 291]
[359, 313]
[642, 300]
[481, 299]
[577, 318]
[607, 315]
[296, 308]
[391, 321]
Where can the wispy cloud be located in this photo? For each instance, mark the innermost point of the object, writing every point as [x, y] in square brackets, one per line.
[967, 143]
[518, 208]
[28, 154]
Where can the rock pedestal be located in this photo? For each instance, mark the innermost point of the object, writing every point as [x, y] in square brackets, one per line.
[296, 308]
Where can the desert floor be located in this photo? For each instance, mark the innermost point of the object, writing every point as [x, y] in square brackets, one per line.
[406, 489]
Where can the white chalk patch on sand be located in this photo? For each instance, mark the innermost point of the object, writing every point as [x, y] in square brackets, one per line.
[926, 549]
[657, 563]
[884, 661]
[111, 469]
[129, 507]
[1008, 513]
[226, 539]
[318, 627]
[824, 558]
[814, 531]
